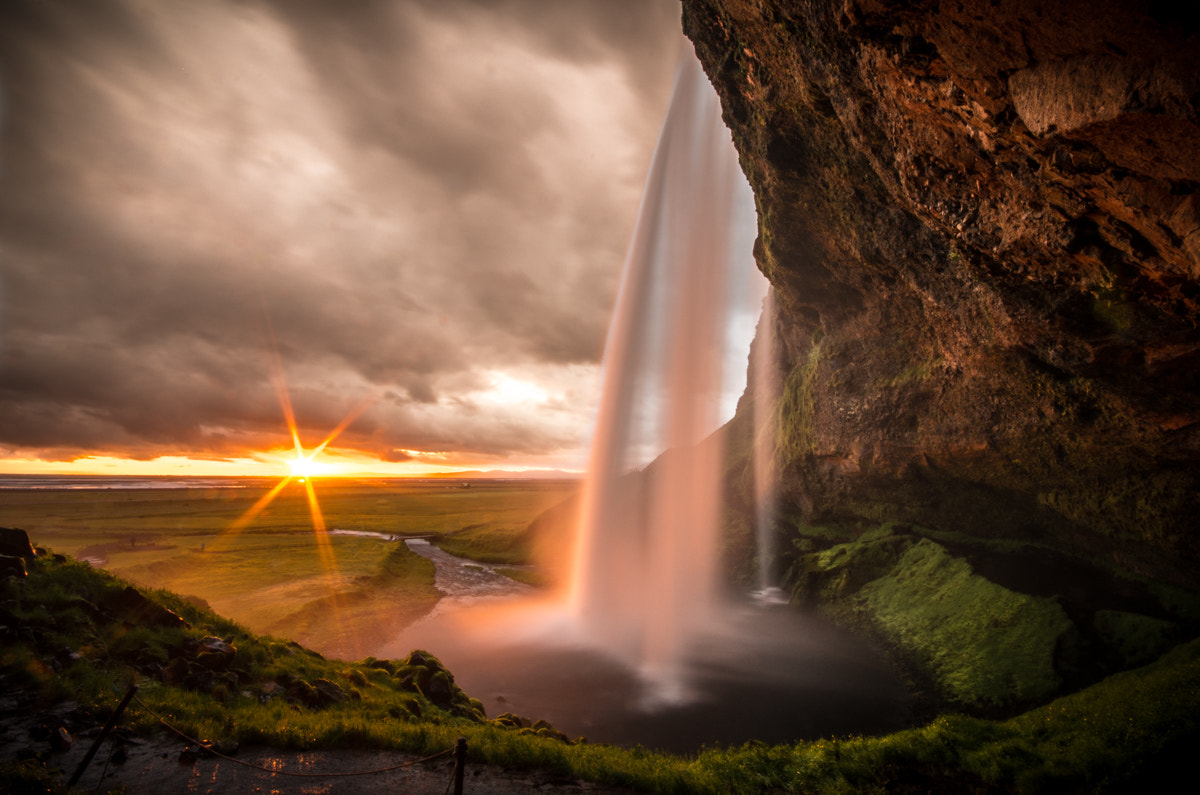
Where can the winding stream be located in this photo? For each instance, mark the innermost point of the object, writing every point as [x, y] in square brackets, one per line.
[464, 581]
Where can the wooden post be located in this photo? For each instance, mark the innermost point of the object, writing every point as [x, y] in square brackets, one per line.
[460, 764]
[108, 727]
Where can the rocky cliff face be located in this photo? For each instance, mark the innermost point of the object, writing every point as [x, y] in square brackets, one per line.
[982, 224]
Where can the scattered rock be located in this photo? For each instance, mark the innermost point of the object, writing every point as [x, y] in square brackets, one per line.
[175, 671]
[329, 692]
[302, 691]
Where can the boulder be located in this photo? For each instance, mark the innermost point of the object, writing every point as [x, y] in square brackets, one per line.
[12, 566]
[15, 542]
[135, 608]
[329, 692]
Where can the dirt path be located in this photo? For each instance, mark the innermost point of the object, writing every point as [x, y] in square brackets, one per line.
[157, 764]
[155, 767]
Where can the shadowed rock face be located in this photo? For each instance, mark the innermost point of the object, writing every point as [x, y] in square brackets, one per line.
[982, 223]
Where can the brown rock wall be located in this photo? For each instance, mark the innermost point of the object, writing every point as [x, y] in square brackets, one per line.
[981, 219]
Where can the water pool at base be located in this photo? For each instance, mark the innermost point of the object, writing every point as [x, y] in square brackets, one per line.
[770, 675]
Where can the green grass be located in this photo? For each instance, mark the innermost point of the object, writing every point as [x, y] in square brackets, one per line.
[1134, 725]
[982, 644]
[71, 521]
[342, 595]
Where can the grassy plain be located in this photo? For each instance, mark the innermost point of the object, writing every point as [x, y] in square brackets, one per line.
[342, 595]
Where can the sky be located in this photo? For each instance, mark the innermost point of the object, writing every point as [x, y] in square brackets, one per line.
[405, 220]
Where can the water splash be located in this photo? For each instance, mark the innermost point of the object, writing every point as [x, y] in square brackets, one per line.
[644, 580]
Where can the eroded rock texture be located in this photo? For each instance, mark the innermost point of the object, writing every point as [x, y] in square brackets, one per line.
[982, 222]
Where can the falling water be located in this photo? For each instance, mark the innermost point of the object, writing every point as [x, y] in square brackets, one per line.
[765, 391]
[645, 566]
[643, 652]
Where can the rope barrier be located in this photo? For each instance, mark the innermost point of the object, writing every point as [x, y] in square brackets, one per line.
[207, 747]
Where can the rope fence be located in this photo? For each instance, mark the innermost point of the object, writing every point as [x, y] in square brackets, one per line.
[456, 780]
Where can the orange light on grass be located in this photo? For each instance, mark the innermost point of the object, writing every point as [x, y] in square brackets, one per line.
[303, 468]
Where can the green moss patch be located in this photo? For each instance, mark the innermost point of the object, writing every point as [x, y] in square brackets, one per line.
[983, 643]
[1137, 638]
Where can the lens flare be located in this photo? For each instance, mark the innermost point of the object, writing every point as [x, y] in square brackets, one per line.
[303, 468]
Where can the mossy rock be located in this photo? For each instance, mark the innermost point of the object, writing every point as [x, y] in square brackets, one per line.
[356, 677]
[1137, 638]
[439, 689]
[511, 721]
[984, 644]
[381, 665]
[545, 729]
[840, 571]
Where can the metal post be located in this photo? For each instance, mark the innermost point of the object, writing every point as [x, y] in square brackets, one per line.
[108, 727]
[460, 763]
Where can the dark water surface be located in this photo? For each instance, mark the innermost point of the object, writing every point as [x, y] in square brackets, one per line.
[771, 675]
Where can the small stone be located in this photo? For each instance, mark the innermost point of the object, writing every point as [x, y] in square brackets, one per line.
[61, 739]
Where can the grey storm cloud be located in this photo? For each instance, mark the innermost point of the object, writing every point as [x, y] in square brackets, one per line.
[423, 205]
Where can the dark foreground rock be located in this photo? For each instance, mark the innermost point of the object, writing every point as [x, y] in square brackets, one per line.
[15, 543]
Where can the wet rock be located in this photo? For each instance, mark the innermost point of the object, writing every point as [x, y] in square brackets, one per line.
[61, 739]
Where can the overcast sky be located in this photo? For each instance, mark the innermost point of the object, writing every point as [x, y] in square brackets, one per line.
[422, 207]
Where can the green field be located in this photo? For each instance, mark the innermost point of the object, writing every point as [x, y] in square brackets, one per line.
[341, 595]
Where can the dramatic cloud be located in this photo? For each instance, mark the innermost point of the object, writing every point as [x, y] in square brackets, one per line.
[421, 205]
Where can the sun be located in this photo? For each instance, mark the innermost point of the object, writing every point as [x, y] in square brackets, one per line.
[303, 466]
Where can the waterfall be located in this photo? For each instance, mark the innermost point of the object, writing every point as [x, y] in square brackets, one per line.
[642, 649]
[644, 579]
[765, 392]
